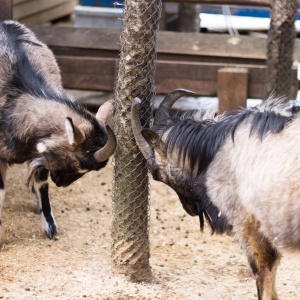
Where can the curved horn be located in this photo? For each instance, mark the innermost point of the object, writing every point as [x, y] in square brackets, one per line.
[105, 112]
[144, 147]
[165, 106]
[108, 150]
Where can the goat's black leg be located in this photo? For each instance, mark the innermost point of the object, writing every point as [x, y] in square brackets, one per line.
[3, 168]
[40, 189]
[263, 258]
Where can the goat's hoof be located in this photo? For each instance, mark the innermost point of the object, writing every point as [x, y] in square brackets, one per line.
[37, 210]
[51, 231]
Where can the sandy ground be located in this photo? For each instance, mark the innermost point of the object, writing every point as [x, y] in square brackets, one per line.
[185, 263]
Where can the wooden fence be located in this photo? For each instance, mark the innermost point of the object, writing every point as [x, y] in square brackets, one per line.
[232, 68]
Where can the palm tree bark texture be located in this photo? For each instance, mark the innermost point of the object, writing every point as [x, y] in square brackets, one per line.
[136, 74]
[280, 47]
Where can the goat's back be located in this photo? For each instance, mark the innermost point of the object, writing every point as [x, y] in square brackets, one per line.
[261, 177]
[18, 47]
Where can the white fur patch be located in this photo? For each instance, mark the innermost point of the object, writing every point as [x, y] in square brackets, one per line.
[45, 224]
[83, 171]
[41, 147]
[70, 131]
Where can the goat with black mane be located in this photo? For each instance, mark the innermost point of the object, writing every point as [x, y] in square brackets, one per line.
[240, 171]
[40, 125]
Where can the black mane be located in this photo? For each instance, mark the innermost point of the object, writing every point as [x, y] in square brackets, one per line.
[198, 141]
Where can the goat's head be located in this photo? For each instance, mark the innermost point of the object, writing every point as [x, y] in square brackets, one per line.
[84, 147]
[151, 142]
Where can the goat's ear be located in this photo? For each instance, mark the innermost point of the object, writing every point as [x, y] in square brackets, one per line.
[150, 136]
[153, 139]
[75, 135]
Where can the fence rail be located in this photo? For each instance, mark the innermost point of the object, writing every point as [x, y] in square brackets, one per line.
[192, 62]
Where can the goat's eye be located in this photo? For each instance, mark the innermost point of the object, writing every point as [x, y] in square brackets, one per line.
[162, 176]
[76, 166]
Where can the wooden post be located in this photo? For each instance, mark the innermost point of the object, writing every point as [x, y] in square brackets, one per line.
[189, 17]
[5, 10]
[232, 88]
[280, 48]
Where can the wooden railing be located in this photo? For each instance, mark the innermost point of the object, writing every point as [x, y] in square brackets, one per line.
[204, 63]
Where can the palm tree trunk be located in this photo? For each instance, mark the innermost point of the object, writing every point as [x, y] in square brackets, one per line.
[130, 240]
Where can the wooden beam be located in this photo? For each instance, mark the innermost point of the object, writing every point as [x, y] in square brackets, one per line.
[202, 78]
[83, 73]
[185, 45]
[232, 88]
[87, 73]
[226, 2]
[61, 9]
[28, 8]
[6, 10]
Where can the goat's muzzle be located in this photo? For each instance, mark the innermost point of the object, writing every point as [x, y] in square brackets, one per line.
[61, 180]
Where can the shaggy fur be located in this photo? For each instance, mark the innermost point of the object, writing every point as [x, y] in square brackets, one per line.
[38, 123]
[241, 172]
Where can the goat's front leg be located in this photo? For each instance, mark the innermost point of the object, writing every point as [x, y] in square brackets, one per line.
[3, 168]
[263, 258]
[40, 189]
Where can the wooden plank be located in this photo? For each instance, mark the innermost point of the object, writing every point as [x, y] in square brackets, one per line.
[84, 73]
[50, 14]
[80, 38]
[103, 53]
[26, 9]
[185, 64]
[87, 73]
[212, 45]
[186, 45]
[16, 2]
[100, 74]
[202, 77]
[193, 76]
[227, 2]
[191, 44]
[232, 88]
[6, 10]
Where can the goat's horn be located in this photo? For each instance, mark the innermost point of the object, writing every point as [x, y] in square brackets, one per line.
[165, 106]
[108, 150]
[105, 112]
[144, 147]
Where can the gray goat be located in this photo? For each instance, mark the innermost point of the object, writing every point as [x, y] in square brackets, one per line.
[240, 171]
[40, 125]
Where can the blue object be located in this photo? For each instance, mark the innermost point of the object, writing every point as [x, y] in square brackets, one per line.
[106, 3]
[244, 11]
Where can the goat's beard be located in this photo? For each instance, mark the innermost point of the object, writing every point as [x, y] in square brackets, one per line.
[34, 165]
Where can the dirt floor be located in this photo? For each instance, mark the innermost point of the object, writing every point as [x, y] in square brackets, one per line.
[186, 264]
